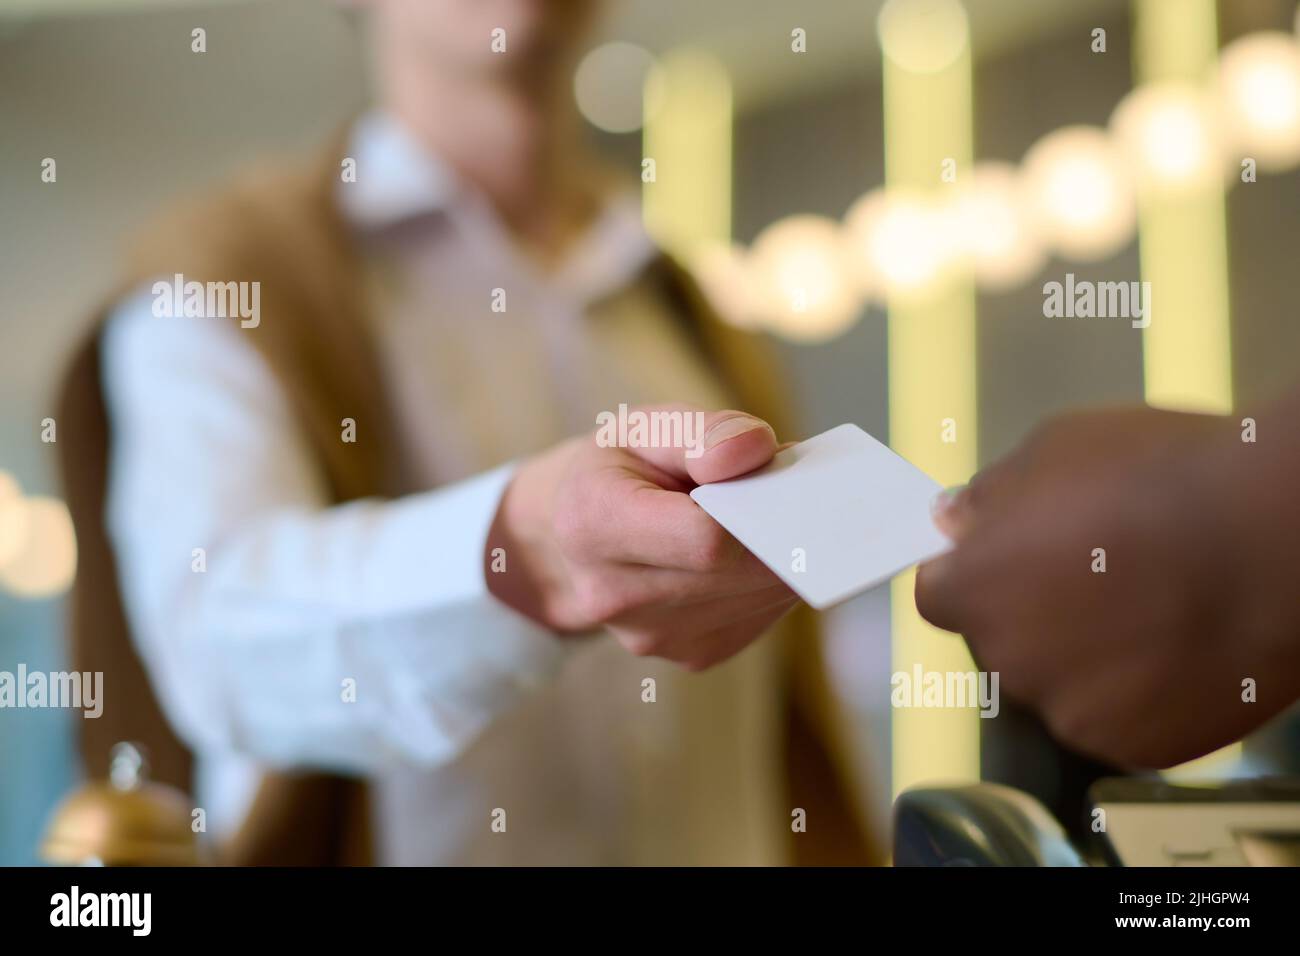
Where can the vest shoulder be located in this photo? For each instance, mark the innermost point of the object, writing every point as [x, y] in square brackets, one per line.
[243, 221]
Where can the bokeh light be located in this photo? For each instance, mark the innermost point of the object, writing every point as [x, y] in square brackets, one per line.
[1259, 89]
[615, 87]
[902, 243]
[13, 518]
[1170, 137]
[995, 229]
[1080, 196]
[923, 36]
[801, 274]
[46, 561]
[725, 277]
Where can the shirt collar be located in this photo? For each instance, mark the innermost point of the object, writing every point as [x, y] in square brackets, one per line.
[397, 179]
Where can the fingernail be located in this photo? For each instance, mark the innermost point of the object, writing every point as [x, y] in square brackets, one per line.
[945, 499]
[730, 428]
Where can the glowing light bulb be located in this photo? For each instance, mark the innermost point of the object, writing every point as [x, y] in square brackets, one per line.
[726, 278]
[1079, 196]
[13, 518]
[1170, 136]
[806, 294]
[995, 230]
[903, 243]
[47, 560]
[1258, 87]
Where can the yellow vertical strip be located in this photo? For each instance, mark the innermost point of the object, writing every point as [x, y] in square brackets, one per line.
[686, 204]
[687, 139]
[1187, 349]
[927, 120]
[1187, 357]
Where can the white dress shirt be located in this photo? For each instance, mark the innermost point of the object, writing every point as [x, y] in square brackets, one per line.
[462, 706]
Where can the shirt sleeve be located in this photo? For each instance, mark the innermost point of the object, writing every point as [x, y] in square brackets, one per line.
[274, 624]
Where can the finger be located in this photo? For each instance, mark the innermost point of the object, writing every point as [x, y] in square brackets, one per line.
[950, 511]
[682, 588]
[957, 510]
[700, 627]
[628, 520]
[965, 589]
[939, 596]
[734, 444]
[696, 446]
[993, 486]
[715, 646]
[1056, 446]
[618, 591]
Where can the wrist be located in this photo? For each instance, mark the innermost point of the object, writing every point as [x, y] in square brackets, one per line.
[526, 572]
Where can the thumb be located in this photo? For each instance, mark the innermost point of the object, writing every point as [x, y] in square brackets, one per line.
[716, 446]
[734, 444]
[936, 596]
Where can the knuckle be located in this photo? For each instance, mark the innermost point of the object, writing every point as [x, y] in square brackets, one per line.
[640, 644]
[1072, 724]
[927, 591]
[597, 599]
[711, 546]
[572, 525]
[1053, 430]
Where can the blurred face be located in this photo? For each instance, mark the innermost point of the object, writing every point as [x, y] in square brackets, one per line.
[522, 38]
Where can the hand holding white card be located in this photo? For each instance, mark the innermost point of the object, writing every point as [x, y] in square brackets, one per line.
[832, 516]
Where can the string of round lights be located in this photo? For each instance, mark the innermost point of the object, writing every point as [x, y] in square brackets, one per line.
[1074, 195]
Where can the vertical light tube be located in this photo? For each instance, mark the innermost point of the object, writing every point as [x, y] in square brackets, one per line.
[932, 356]
[1187, 349]
[687, 135]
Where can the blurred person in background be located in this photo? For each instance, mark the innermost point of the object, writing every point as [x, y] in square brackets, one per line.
[1188, 636]
[355, 535]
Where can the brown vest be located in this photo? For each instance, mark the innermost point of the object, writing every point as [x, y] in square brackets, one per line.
[284, 230]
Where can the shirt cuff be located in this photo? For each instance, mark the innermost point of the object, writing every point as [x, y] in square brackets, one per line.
[480, 656]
